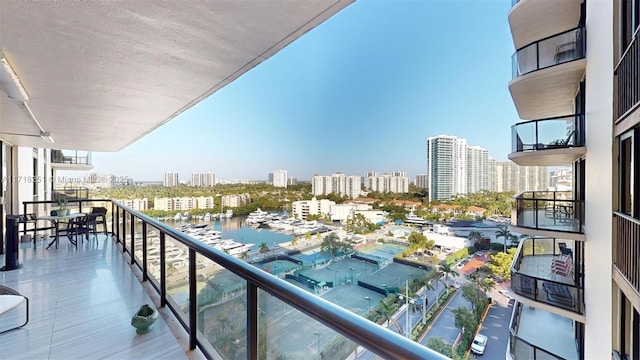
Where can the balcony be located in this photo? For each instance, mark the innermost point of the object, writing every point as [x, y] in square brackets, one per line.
[547, 74]
[548, 213]
[549, 272]
[626, 249]
[531, 20]
[547, 142]
[225, 307]
[71, 160]
[538, 334]
[626, 74]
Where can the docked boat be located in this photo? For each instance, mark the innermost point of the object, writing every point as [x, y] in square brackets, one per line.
[411, 218]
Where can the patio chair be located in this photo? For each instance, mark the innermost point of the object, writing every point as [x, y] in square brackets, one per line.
[11, 299]
[81, 226]
[99, 215]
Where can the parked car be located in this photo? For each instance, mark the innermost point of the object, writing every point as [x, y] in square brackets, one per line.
[479, 344]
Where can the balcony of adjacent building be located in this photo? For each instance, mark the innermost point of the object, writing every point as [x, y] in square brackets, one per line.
[212, 304]
[532, 20]
[627, 86]
[626, 251]
[536, 334]
[548, 142]
[554, 214]
[71, 160]
[547, 273]
[547, 75]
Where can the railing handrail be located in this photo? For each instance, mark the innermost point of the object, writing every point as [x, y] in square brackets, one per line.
[626, 51]
[583, 27]
[519, 196]
[375, 338]
[386, 343]
[517, 270]
[518, 308]
[546, 119]
[627, 217]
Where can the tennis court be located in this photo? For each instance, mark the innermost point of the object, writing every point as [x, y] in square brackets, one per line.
[343, 271]
[394, 275]
[277, 267]
[382, 253]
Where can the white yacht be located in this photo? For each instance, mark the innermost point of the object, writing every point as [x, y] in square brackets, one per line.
[411, 218]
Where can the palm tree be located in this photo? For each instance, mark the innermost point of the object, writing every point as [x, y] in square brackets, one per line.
[263, 247]
[504, 233]
[475, 236]
[446, 270]
[294, 241]
[384, 310]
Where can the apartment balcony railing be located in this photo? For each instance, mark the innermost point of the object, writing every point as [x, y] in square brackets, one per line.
[626, 74]
[547, 271]
[553, 133]
[521, 349]
[242, 303]
[554, 50]
[71, 157]
[627, 247]
[548, 210]
[70, 193]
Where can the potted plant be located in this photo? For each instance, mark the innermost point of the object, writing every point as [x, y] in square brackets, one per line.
[62, 207]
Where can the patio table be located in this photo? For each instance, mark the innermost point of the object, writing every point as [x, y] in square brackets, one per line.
[55, 220]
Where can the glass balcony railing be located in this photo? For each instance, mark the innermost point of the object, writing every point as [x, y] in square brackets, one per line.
[526, 328]
[548, 210]
[553, 133]
[626, 75]
[549, 271]
[554, 50]
[71, 157]
[627, 247]
[231, 309]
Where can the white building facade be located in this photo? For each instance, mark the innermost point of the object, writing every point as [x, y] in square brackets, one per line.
[301, 209]
[397, 182]
[170, 179]
[338, 183]
[280, 178]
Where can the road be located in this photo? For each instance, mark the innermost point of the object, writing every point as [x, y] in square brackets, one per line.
[444, 326]
[496, 327]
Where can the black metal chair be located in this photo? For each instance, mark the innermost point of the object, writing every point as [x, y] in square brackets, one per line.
[99, 215]
[80, 226]
[10, 299]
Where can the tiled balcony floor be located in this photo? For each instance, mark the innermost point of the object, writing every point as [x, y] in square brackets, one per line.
[540, 266]
[81, 304]
[547, 331]
[548, 221]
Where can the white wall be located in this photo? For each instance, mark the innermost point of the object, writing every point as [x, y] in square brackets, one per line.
[598, 219]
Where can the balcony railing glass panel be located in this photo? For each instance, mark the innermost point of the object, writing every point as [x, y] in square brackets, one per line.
[548, 210]
[222, 308]
[153, 255]
[554, 50]
[521, 349]
[71, 157]
[552, 133]
[547, 271]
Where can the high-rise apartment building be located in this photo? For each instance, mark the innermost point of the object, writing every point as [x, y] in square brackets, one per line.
[456, 168]
[203, 179]
[338, 183]
[396, 182]
[280, 178]
[170, 179]
[292, 181]
[422, 181]
[510, 176]
[477, 169]
[576, 89]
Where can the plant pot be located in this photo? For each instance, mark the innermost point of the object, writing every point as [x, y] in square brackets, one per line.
[63, 212]
[144, 319]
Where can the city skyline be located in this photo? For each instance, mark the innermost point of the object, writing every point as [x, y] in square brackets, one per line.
[351, 95]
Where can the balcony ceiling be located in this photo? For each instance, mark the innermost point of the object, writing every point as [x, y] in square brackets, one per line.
[549, 157]
[533, 20]
[102, 74]
[549, 92]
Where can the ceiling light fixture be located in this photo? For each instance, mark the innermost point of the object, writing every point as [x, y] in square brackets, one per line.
[10, 82]
[46, 136]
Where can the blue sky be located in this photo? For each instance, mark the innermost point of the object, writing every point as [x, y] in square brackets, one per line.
[361, 92]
